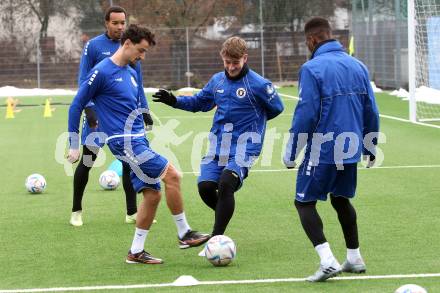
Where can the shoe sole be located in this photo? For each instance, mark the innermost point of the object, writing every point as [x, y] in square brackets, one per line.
[332, 275]
[76, 225]
[143, 263]
[355, 272]
[185, 245]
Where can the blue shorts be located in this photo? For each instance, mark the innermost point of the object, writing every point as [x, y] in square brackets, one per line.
[210, 170]
[146, 165]
[316, 182]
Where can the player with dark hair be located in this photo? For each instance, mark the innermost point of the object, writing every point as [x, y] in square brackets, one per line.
[114, 88]
[336, 108]
[244, 102]
[95, 51]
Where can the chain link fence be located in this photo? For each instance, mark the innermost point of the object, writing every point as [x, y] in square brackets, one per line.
[42, 41]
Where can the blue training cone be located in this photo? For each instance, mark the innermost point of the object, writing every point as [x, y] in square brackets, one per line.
[116, 166]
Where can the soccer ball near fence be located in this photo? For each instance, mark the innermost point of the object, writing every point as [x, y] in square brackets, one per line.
[109, 180]
[220, 250]
[35, 183]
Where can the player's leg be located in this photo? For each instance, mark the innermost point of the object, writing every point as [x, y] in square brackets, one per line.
[208, 193]
[210, 172]
[228, 184]
[147, 211]
[187, 237]
[312, 184]
[130, 194]
[80, 179]
[345, 185]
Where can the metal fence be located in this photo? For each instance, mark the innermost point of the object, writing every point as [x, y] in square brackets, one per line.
[182, 57]
[380, 32]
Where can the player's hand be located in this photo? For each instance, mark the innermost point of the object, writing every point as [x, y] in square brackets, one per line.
[166, 97]
[370, 159]
[73, 156]
[91, 117]
[148, 121]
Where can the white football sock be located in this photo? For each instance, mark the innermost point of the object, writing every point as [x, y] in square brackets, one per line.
[325, 253]
[181, 224]
[139, 240]
[353, 255]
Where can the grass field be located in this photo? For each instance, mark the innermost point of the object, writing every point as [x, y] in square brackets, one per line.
[397, 205]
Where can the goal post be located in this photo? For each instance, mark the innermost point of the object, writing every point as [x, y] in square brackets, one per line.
[424, 60]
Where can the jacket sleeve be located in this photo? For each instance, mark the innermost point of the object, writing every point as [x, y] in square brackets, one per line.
[142, 98]
[371, 120]
[86, 64]
[202, 101]
[86, 92]
[306, 115]
[270, 100]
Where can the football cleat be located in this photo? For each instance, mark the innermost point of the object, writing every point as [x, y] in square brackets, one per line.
[142, 257]
[358, 267]
[131, 219]
[326, 272]
[193, 239]
[76, 219]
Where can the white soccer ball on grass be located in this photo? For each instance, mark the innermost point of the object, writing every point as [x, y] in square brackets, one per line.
[220, 250]
[109, 180]
[35, 183]
[410, 288]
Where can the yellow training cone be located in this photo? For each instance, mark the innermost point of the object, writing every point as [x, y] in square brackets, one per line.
[47, 109]
[9, 109]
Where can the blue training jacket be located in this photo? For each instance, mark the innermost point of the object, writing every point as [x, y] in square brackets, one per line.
[243, 106]
[115, 93]
[96, 50]
[335, 97]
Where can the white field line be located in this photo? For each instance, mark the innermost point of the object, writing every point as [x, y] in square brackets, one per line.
[381, 115]
[227, 282]
[359, 168]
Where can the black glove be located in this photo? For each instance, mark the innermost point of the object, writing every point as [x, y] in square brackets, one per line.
[165, 97]
[148, 121]
[92, 119]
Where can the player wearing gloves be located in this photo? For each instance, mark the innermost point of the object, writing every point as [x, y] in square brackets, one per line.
[335, 112]
[113, 87]
[97, 49]
[245, 101]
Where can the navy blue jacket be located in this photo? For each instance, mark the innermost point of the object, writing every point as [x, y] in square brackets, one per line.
[336, 109]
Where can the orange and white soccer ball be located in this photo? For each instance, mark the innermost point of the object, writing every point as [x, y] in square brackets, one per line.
[109, 180]
[220, 250]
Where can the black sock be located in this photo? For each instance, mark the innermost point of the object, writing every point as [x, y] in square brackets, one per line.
[81, 176]
[224, 210]
[130, 193]
[208, 193]
[311, 221]
[347, 219]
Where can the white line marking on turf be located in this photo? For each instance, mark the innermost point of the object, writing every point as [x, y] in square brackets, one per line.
[143, 286]
[359, 168]
[382, 115]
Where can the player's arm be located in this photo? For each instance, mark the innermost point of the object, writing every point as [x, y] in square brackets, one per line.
[142, 98]
[371, 123]
[305, 118]
[86, 92]
[86, 64]
[270, 100]
[202, 101]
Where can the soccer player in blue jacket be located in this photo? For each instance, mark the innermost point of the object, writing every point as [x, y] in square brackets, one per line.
[245, 101]
[336, 119]
[95, 50]
[113, 86]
